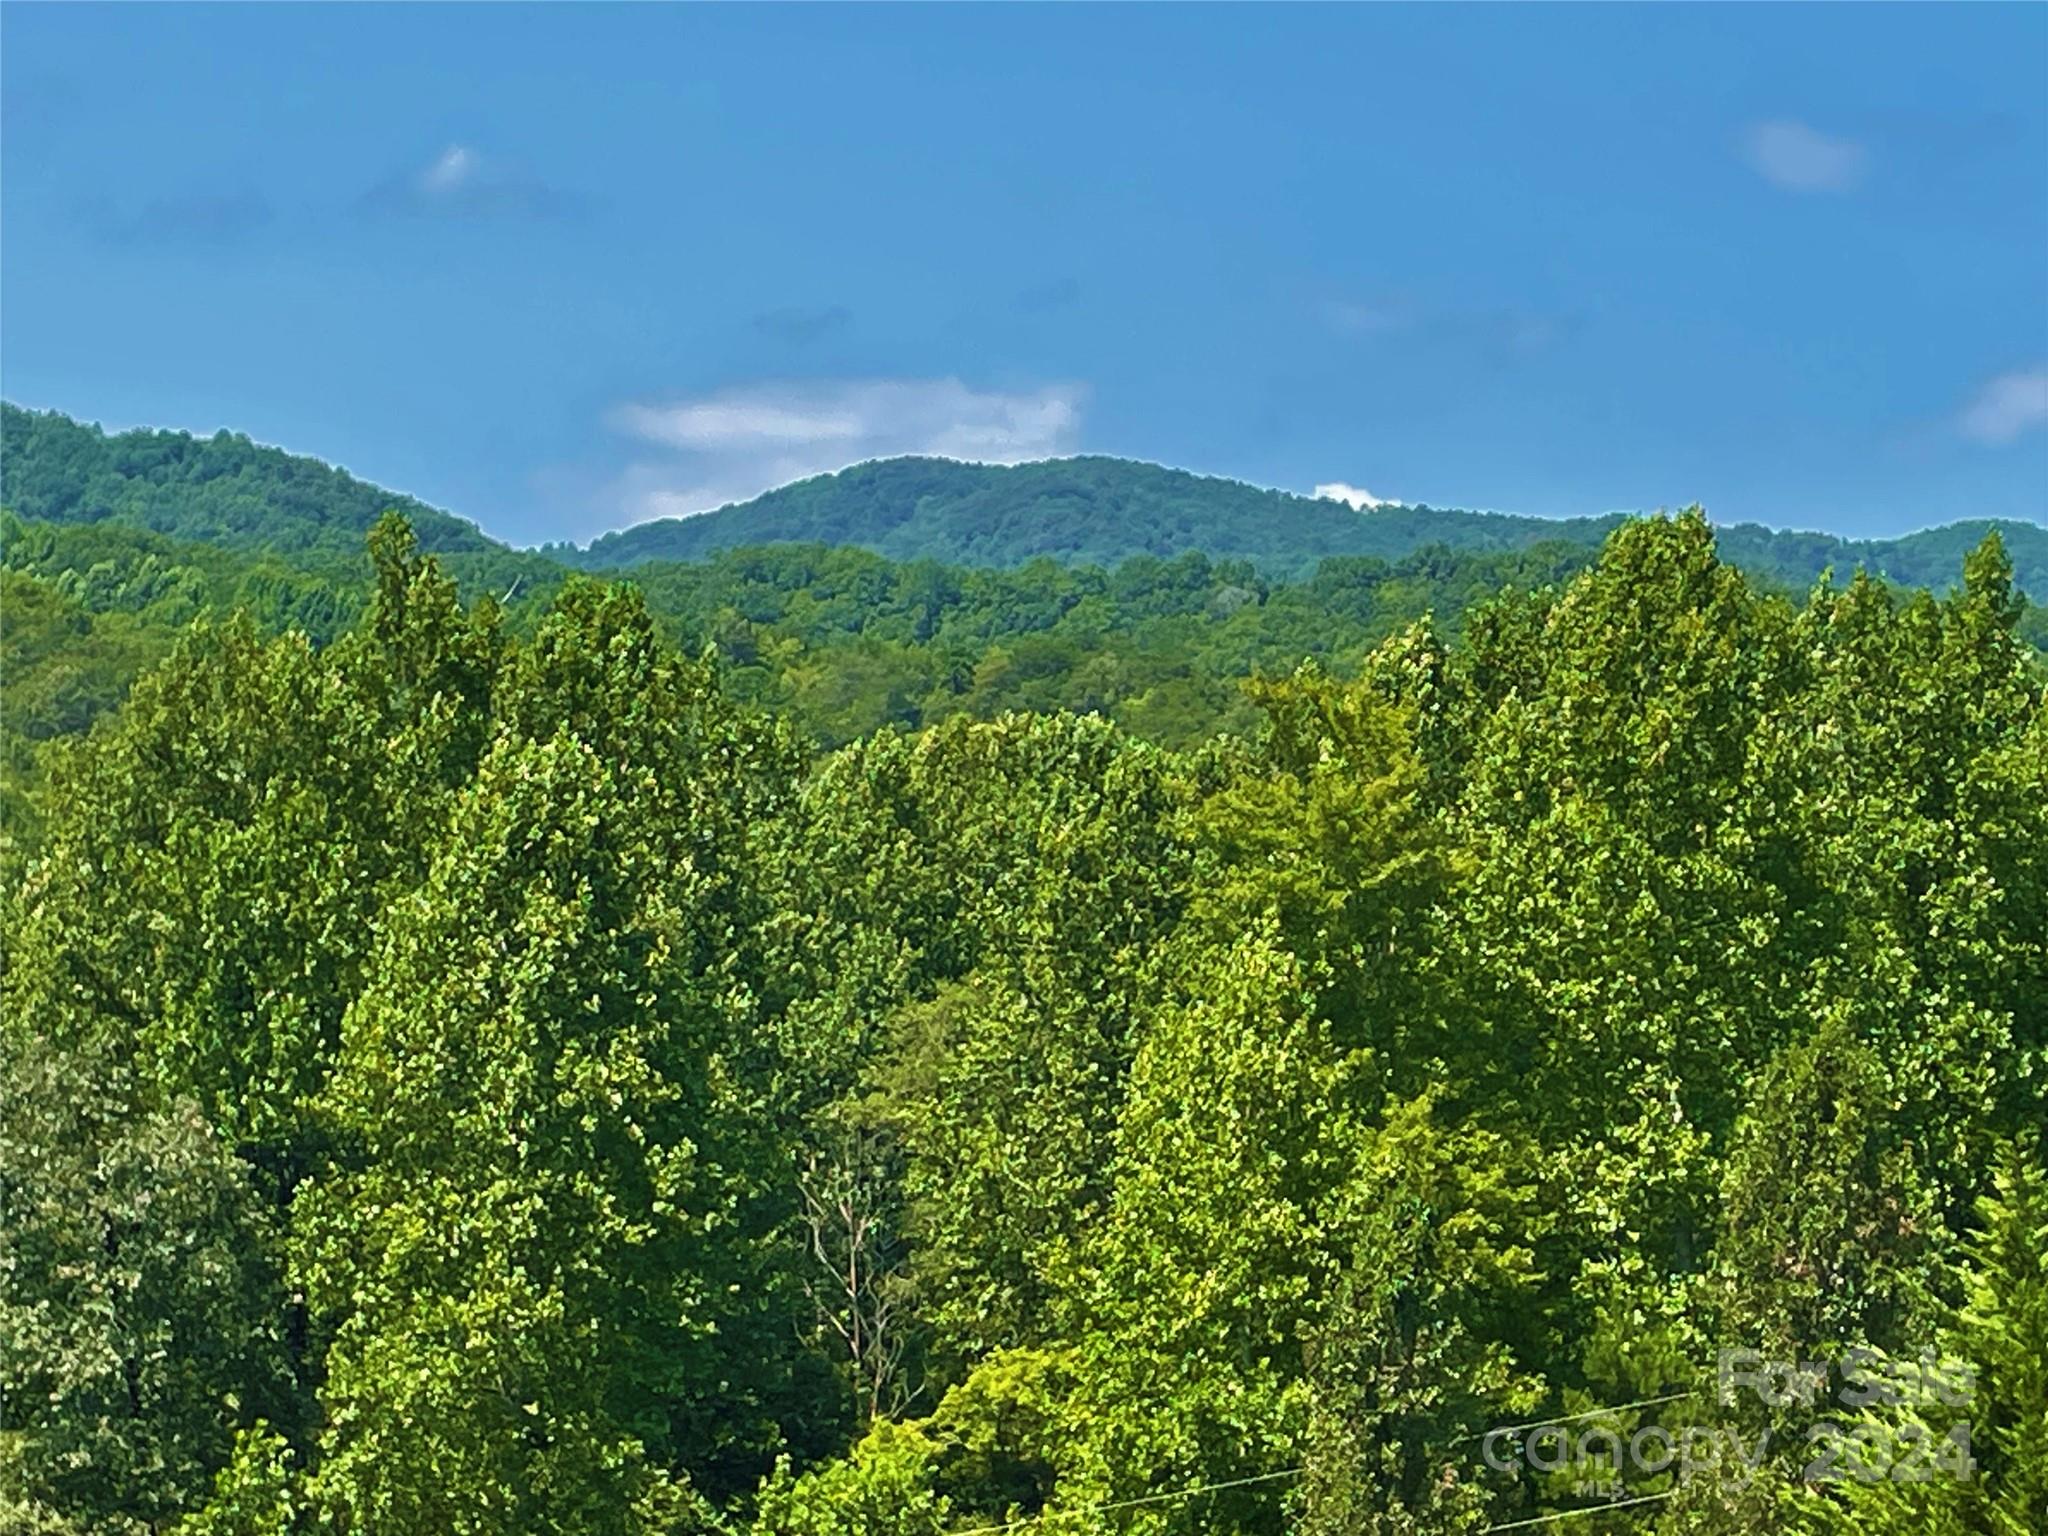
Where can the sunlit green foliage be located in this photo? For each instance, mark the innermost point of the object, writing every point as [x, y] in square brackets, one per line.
[474, 1068]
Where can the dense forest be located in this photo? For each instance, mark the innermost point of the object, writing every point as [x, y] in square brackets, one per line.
[484, 1065]
[1098, 511]
[1079, 512]
[111, 545]
[222, 489]
[837, 641]
[1082, 511]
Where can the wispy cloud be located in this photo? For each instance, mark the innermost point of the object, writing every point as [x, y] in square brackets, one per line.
[1357, 498]
[205, 217]
[2007, 406]
[735, 443]
[799, 327]
[1499, 336]
[1368, 318]
[1790, 155]
[1056, 293]
[462, 182]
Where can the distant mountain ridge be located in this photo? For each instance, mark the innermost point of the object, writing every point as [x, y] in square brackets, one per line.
[1101, 511]
[1078, 511]
[1089, 511]
[223, 489]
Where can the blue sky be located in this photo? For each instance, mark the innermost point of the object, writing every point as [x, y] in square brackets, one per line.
[562, 268]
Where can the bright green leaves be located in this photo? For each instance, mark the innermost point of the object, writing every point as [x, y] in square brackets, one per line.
[2003, 1327]
[883, 1488]
[1827, 1222]
[1658, 660]
[1326, 834]
[256, 1493]
[196, 925]
[1992, 1478]
[218, 858]
[210, 876]
[466, 1084]
[140, 1300]
[1484, 965]
[1022, 871]
[545, 1250]
[462, 938]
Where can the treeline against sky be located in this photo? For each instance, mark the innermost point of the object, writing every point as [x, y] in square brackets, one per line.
[496, 1071]
[838, 641]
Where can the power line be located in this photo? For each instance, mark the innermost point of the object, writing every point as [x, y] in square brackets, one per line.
[1269, 1477]
[1150, 1498]
[1573, 1514]
[1573, 1418]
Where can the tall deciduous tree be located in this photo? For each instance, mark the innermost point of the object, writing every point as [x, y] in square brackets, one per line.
[140, 1299]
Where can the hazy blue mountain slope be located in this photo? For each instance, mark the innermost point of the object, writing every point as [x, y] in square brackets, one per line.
[1932, 557]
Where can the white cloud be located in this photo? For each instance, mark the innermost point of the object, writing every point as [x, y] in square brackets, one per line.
[2007, 406]
[1790, 155]
[735, 443]
[457, 164]
[1363, 319]
[462, 182]
[717, 424]
[1355, 497]
[1498, 335]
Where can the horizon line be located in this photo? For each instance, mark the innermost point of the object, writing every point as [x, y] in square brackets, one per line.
[1662, 509]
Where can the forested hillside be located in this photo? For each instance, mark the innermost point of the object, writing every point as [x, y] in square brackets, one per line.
[1083, 511]
[487, 1073]
[1097, 511]
[838, 642]
[222, 489]
[124, 539]
[228, 491]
